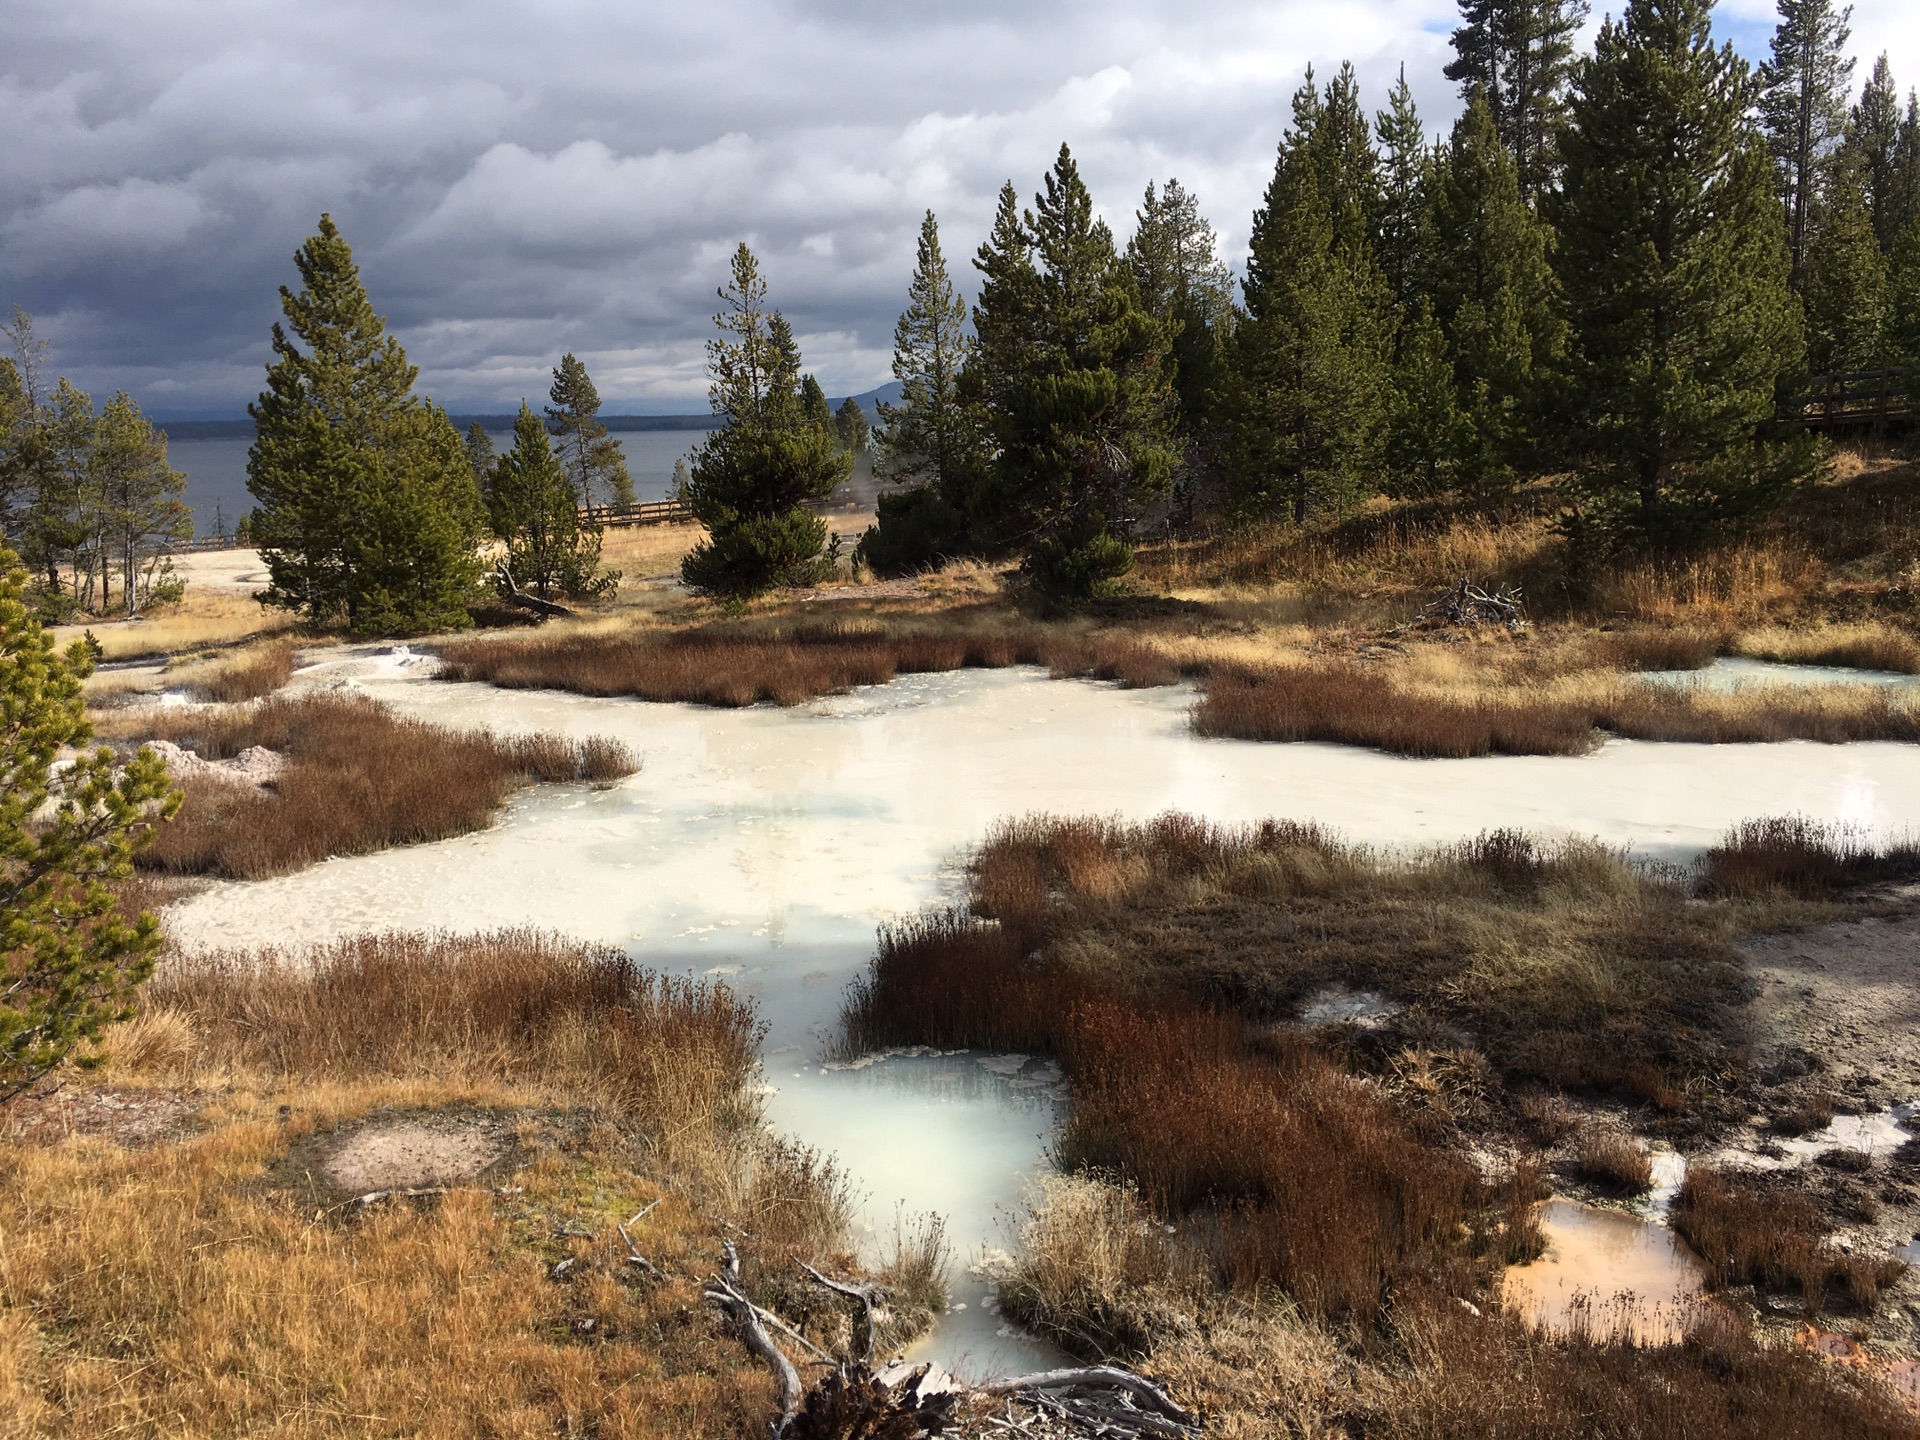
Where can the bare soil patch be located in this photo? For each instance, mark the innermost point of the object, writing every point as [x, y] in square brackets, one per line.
[129, 1118]
[403, 1154]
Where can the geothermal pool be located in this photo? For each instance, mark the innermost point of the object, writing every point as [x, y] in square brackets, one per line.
[763, 846]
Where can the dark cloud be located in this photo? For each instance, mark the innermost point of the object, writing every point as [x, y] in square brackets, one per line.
[519, 180]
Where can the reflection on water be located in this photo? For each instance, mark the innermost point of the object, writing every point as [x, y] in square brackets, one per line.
[762, 847]
[1609, 1275]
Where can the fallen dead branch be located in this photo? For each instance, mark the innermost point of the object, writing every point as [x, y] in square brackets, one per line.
[853, 1399]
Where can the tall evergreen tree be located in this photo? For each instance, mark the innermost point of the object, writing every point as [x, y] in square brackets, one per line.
[1803, 107]
[593, 458]
[1672, 260]
[479, 448]
[1311, 388]
[931, 444]
[1903, 301]
[534, 509]
[752, 477]
[1081, 420]
[1519, 53]
[1183, 283]
[1491, 290]
[367, 508]
[1406, 177]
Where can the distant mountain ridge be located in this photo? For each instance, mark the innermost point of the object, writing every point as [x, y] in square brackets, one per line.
[243, 429]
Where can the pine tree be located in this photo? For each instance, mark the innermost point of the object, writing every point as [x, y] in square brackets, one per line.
[1519, 53]
[479, 448]
[140, 505]
[851, 425]
[930, 444]
[1903, 302]
[1406, 176]
[1672, 260]
[1339, 144]
[1182, 282]
[1803, 107]
[367, 509]
[1081, 419]
[1872, 148]
[1426, 433]
[71, 956]
[1492, 294]
[593, 458]
[813, 403]
[1311, 392]
[533, 507]
[751, 477]
[1845, 288]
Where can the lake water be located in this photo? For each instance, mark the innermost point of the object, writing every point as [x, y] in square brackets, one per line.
[762, 847]
[216, 470]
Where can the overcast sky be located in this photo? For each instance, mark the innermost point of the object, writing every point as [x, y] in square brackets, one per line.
[519, 180]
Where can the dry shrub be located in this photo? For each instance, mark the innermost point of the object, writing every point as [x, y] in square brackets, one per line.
[1798, 856]
[1860, 647]
[721, 665]
[1351, 704]
[1613, 1160]
[1656, 649]
[513, 1004]
[1757, 1229]
[254, 672]
[359, 778]
[1487, 1376]
[1097, 1273]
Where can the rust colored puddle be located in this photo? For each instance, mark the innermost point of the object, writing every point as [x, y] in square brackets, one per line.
[1607, 1275]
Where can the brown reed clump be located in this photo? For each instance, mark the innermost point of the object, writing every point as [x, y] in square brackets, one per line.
[728, 666]
[1613, 1160]
[1800, 857]
[254, 672]
[1569, 965]
[359, 778]
[1485, 1375]
[521, 1005]
[1754, 1229]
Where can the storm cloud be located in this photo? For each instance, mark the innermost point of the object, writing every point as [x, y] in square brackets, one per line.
[520, 180]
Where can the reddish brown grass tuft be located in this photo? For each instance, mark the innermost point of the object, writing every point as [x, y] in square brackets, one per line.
[359, 778]
[1613, 1160]
[253, 673]
[1798, 856]
[1757, 1230]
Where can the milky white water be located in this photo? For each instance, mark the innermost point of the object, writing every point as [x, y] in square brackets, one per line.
[763, 846]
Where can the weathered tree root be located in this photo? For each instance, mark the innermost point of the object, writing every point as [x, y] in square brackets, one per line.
[853, 1402]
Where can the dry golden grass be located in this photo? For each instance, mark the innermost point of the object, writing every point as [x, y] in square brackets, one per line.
[359, 778]
[1871, 646]
[1613, 1160]
[203, 618]
[246, 673]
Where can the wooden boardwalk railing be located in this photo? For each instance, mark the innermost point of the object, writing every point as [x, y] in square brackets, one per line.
[647, 512]
[1858, 397]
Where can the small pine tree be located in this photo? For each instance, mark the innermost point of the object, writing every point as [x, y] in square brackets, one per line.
[930, 444]
[140, 512]
[1803, 107]
[1405, 186]
[1872, 149]
[753, 476]
[1492, 296]
[1673, 262]
[814, 407]
[593, 458]
[70, 955]
[1311, 387]
[1082, 422]
[368, 510]
[479, 447]
[1903, 302]
[534, 510]
[1426, 434]
[851, 425]
[1183, 283]
[1845, 288]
